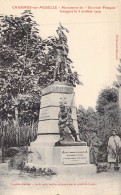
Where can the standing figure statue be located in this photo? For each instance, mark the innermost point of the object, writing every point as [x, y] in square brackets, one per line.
[65, 120]
[61, 47]
[95, 143]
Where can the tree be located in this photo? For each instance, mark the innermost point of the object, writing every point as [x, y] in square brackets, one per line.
[106, 96]
[87, 122]
[117, 83]
[20, 54]
[108, 110]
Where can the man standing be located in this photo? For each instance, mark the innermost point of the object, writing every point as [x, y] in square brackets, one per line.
[114, 144]
[94, 148]
[65, 120]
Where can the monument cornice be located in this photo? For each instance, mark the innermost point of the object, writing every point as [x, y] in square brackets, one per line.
[58, 87]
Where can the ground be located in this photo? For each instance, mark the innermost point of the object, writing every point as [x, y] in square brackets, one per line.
[14, 182]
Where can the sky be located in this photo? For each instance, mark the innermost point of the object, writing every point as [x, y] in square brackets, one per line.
[91, 39]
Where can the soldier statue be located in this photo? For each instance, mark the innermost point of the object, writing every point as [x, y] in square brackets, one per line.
[65, 120]
[61, 47]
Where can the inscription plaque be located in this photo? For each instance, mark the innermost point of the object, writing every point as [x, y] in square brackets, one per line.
[75, 156]
[45, 113]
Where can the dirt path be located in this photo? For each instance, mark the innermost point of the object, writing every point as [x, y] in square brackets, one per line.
[16, 183]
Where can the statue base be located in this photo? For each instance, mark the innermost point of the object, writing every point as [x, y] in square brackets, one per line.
[67, 158]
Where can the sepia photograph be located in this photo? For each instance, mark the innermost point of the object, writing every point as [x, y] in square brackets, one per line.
[60, 97]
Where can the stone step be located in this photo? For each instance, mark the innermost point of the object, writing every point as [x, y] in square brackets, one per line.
[84, 169]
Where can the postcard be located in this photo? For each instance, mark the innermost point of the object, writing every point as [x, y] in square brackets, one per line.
[60, 102]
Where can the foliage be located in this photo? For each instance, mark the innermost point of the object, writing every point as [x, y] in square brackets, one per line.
[28, 134]
[39, 172]
[103, 120]
[20, 53]
[19, 157]
[108, 110]
[87, 122]
[117, 83]
[106, 96]
[19, 59]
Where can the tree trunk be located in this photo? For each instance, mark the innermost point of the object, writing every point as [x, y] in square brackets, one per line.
[2, 148]
[17, 127]
[16, 123]
[3, 141]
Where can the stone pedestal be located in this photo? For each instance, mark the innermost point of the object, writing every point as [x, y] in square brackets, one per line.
[66, 159]
[50, 107]
[43, 151]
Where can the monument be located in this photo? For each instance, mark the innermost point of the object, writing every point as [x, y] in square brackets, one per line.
[57, 145]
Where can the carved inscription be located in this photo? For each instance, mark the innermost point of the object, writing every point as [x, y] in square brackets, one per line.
[74, 156]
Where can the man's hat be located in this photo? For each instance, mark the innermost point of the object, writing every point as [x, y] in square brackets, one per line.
[114, 130]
